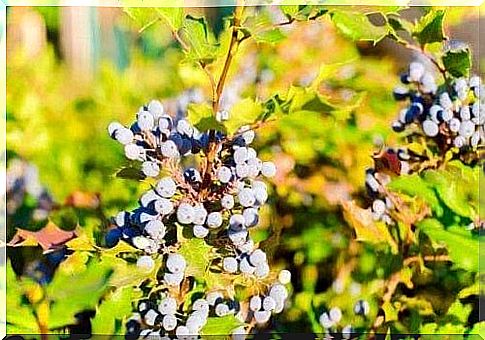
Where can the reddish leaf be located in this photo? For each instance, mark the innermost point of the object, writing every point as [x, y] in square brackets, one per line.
[387, 161]
[50, 237]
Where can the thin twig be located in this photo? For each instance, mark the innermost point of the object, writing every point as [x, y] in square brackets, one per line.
[233, 45]
[426, 54]
[208, 164]
[148, 25]
[179, 39]
[427, 258]
[284, 23]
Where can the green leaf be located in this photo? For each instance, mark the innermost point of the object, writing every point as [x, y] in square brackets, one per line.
[221, 326]
[202, 117]
[357, 26]
[128, 274]
[458, 62]
[272, 36]
[202, 44]
[173, 16]
[115, 306]
[262, 29]
[20, 315]
[458, 187]
[459, 311]
[244, 112]
[144, 17]
[429, 28]
[307, 99]
[198, 255]
[413, 185]
[67, 293]
[390, 312]
[474, 289]
[462, 244]
[290, 10]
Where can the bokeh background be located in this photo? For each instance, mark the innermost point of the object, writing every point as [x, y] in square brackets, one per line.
[72, 70]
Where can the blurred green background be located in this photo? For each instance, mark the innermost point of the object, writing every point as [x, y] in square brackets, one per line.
[71, 71]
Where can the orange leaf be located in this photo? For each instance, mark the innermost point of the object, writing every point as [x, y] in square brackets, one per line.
[81, 199]
[49, 238]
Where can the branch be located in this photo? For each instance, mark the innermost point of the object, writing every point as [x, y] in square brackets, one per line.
[427, 258]
[426, 54]
[395, 279]
[233, 45]
[289, 22]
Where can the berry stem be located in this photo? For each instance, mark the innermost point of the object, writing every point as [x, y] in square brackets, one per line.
[431, 58]
[216, 97]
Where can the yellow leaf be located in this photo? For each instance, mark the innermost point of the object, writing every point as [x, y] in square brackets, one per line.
[82, 242]
[33, 291]
[366, 229]
[389, 311]
[74, 263]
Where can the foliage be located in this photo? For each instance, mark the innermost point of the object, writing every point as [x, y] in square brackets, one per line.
[319, 107]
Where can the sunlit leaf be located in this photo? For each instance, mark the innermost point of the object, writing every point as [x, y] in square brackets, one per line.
[174, 16]
[357, 26]
[203, 118]
[20, 316]
[221, 325]
[462, 245]
[114, 308]
[74, 263]
[365, 227]
[390, 312]
[144, 17]
[202, 44]
[244, 112]
[414, 186]
[457, 186]
[261, 28]
[67, 299]
[198, 255]
[460, 311]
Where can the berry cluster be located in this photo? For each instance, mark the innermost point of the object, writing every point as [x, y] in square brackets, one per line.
[381, 204]
[218, 201]
[166, 318]
[331, 318]
[451, 114]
